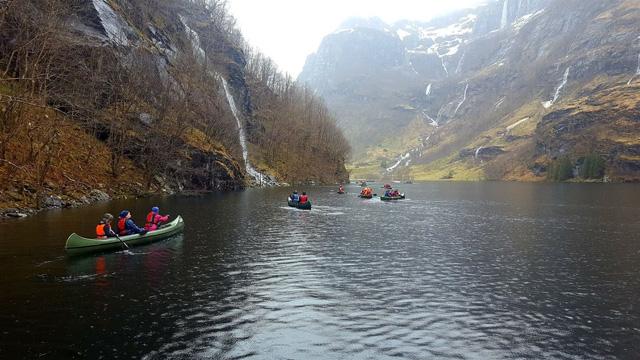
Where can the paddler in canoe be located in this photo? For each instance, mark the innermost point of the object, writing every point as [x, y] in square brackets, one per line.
[154, 219]
[103, 229]
[77, 244]
[304, 203]
[366, 193]
[392, 195]
[299, 201]
[126, 225]
[341, 189]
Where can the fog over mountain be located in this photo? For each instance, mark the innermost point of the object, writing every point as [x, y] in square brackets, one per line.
[506, 90]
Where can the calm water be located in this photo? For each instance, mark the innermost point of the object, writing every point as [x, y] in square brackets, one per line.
[457, 271]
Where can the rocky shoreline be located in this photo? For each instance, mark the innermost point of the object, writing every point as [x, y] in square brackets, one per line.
[56, 202]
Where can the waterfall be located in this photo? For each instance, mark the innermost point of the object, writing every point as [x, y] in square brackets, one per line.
[400, 160]
[464, 98]
[433, 122]
[637, 72]
[478, 152]
[505, 14]
[565, 77]
[260, 178]
[444, 66]
[195, 40]
[428, 90]
[459, 67]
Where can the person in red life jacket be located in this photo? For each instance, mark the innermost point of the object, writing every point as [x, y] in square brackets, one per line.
[154, 219]
[126, 226]
[103, 229]
[304, 198]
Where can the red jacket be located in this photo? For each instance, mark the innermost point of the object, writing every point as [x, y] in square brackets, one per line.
[304, 199]
[154, 220]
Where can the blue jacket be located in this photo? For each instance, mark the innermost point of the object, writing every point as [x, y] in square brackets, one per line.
[132, 228]
[295, 197]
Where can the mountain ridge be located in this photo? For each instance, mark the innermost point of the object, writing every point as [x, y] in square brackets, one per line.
[474, 74]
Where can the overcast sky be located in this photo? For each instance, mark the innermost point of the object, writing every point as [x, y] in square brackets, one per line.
[289, 30]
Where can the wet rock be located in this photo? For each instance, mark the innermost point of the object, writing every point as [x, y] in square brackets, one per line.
[17, 215]
[146, 119]
[52, 202]
[98, 195]
[539, 169]
[465, 153]
[489, 152]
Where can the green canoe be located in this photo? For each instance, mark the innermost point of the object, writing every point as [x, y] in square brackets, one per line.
[77, 244]
[389, 198]
[295, 204]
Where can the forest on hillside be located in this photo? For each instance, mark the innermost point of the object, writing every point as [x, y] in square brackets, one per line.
[144, 111]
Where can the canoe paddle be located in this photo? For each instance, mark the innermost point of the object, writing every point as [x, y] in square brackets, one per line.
[123, 243]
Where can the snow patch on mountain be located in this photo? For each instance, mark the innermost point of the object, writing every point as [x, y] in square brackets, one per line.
[525, 19]
[461, 28]
[343, 31]
[517, 123]
[402, 33]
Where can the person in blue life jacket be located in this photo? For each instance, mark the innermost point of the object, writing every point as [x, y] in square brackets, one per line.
[387, 193]
[126, 226]
[295, 197]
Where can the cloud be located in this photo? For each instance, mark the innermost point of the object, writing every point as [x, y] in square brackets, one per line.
[289, 30]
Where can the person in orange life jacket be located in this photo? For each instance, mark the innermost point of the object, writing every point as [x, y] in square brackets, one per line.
[304, 198]
[126, 226]
[154, 219]
[103, 229]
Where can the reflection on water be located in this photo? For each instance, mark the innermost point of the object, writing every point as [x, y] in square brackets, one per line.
[464, 271]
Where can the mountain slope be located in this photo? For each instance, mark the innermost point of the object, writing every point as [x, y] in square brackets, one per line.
[485, 83]
[159, 96]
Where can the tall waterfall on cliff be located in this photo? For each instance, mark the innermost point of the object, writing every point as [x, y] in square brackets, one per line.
[260, 178]
[565, 77]
[505, 15]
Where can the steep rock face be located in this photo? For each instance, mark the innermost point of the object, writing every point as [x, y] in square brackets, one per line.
[607, 124]
[202, 166]
[475, 73]
[352, 64]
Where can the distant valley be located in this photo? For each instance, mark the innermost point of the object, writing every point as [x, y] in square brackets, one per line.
[516, 89]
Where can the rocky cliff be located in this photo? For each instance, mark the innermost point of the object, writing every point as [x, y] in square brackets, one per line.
[501, 91]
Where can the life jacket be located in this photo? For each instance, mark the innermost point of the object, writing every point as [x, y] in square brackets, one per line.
[100, 232]
[151, 220]
[122, 226]
[303, 199]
